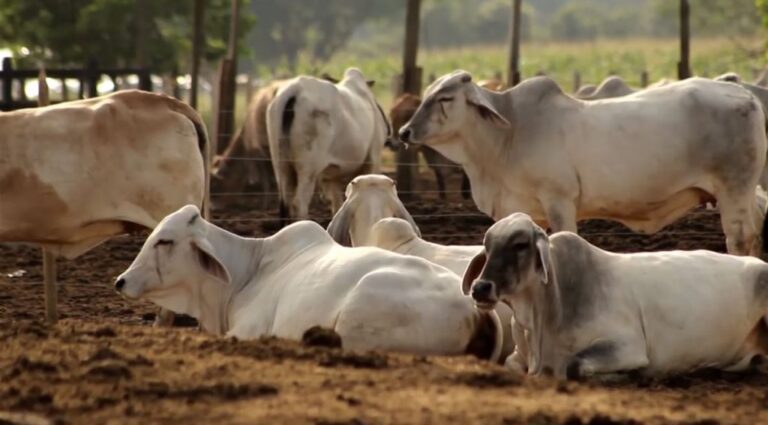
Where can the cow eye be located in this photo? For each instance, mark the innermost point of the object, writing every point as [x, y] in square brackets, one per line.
[445, 99]
[164, 242]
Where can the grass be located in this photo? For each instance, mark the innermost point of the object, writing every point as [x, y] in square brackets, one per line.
[594, 60]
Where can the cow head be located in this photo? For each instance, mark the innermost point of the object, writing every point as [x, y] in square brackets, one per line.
[516, 257]
[171, 261]
[369, 198]
[451, 104]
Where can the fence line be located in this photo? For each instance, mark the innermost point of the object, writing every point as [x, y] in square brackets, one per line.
[241, 158]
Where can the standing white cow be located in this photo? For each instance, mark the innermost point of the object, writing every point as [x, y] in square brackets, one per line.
[644, 160]
[323, 133]
[75, 174]
[585, 311]
[299, 278]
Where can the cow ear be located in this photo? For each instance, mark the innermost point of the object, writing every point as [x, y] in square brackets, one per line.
[486, 110]
[405, 215]
[544, 264]
[207, 259]
[338, 228]
[473, 270]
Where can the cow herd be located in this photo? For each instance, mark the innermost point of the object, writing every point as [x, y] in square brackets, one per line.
[536, 158]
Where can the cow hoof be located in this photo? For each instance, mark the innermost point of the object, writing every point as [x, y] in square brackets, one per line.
[573, 371]
[514, 365]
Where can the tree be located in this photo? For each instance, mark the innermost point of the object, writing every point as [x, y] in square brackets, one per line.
[319, 27]
[576, 21]
[113, 32]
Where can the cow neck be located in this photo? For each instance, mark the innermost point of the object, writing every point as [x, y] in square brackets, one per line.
[241, 257]
[540, 307]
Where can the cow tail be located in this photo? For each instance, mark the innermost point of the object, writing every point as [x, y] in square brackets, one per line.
[280, 117]
[203, 143]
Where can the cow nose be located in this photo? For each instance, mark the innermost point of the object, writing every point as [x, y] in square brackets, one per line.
[482, 291]
[119, 284]
[405, 134]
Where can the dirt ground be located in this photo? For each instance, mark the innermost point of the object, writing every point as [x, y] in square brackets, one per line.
[104, 363]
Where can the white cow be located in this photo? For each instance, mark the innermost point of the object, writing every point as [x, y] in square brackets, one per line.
[75, 174]
[323, 133]
[585, 311]
[644, 160]
[369, 198]
[612, 86]
[299, 278]
[397, 235]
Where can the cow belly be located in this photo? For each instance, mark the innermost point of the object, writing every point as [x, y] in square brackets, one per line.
[651, 216]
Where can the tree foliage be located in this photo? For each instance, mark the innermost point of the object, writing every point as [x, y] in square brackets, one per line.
[113, 32]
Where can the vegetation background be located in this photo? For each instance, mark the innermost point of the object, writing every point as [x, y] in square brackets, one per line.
[285, 37]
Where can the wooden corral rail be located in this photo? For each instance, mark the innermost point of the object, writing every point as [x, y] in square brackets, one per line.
[88, 77]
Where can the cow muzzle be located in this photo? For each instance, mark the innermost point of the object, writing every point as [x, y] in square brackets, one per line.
[484, 294]
[128, 289]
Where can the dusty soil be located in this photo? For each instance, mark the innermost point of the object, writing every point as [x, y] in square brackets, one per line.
[104, 363]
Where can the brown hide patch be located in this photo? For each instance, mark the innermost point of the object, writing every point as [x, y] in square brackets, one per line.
[27, 205]
[404, 108]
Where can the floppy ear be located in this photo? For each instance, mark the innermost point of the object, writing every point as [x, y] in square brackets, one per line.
[405, 215]
[207, 259]
[338, 228]
[477, 98]
[473, 270]
[542, 246]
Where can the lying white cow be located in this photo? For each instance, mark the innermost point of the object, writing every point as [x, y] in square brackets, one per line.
[299, 278]
[323, 133]
[397, 235]
[75, 174]
[369, 198]
[585, 311]
[644, 160]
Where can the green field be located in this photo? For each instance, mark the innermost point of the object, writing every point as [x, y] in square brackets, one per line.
[593, 60]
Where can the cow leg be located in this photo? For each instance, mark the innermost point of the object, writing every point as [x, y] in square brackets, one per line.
[440, 182]
[604, 357]
[466, 188]
[164, 318]
[736, 216]
[334, 192]
[305, 189]
[561, 215]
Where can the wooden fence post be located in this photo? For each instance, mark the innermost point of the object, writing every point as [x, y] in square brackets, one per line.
[406, 158]
[7, 80]
[513, 70]
[145, 80]
[576, 81]
[91, 78]
[684, 66]
[197, 50]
